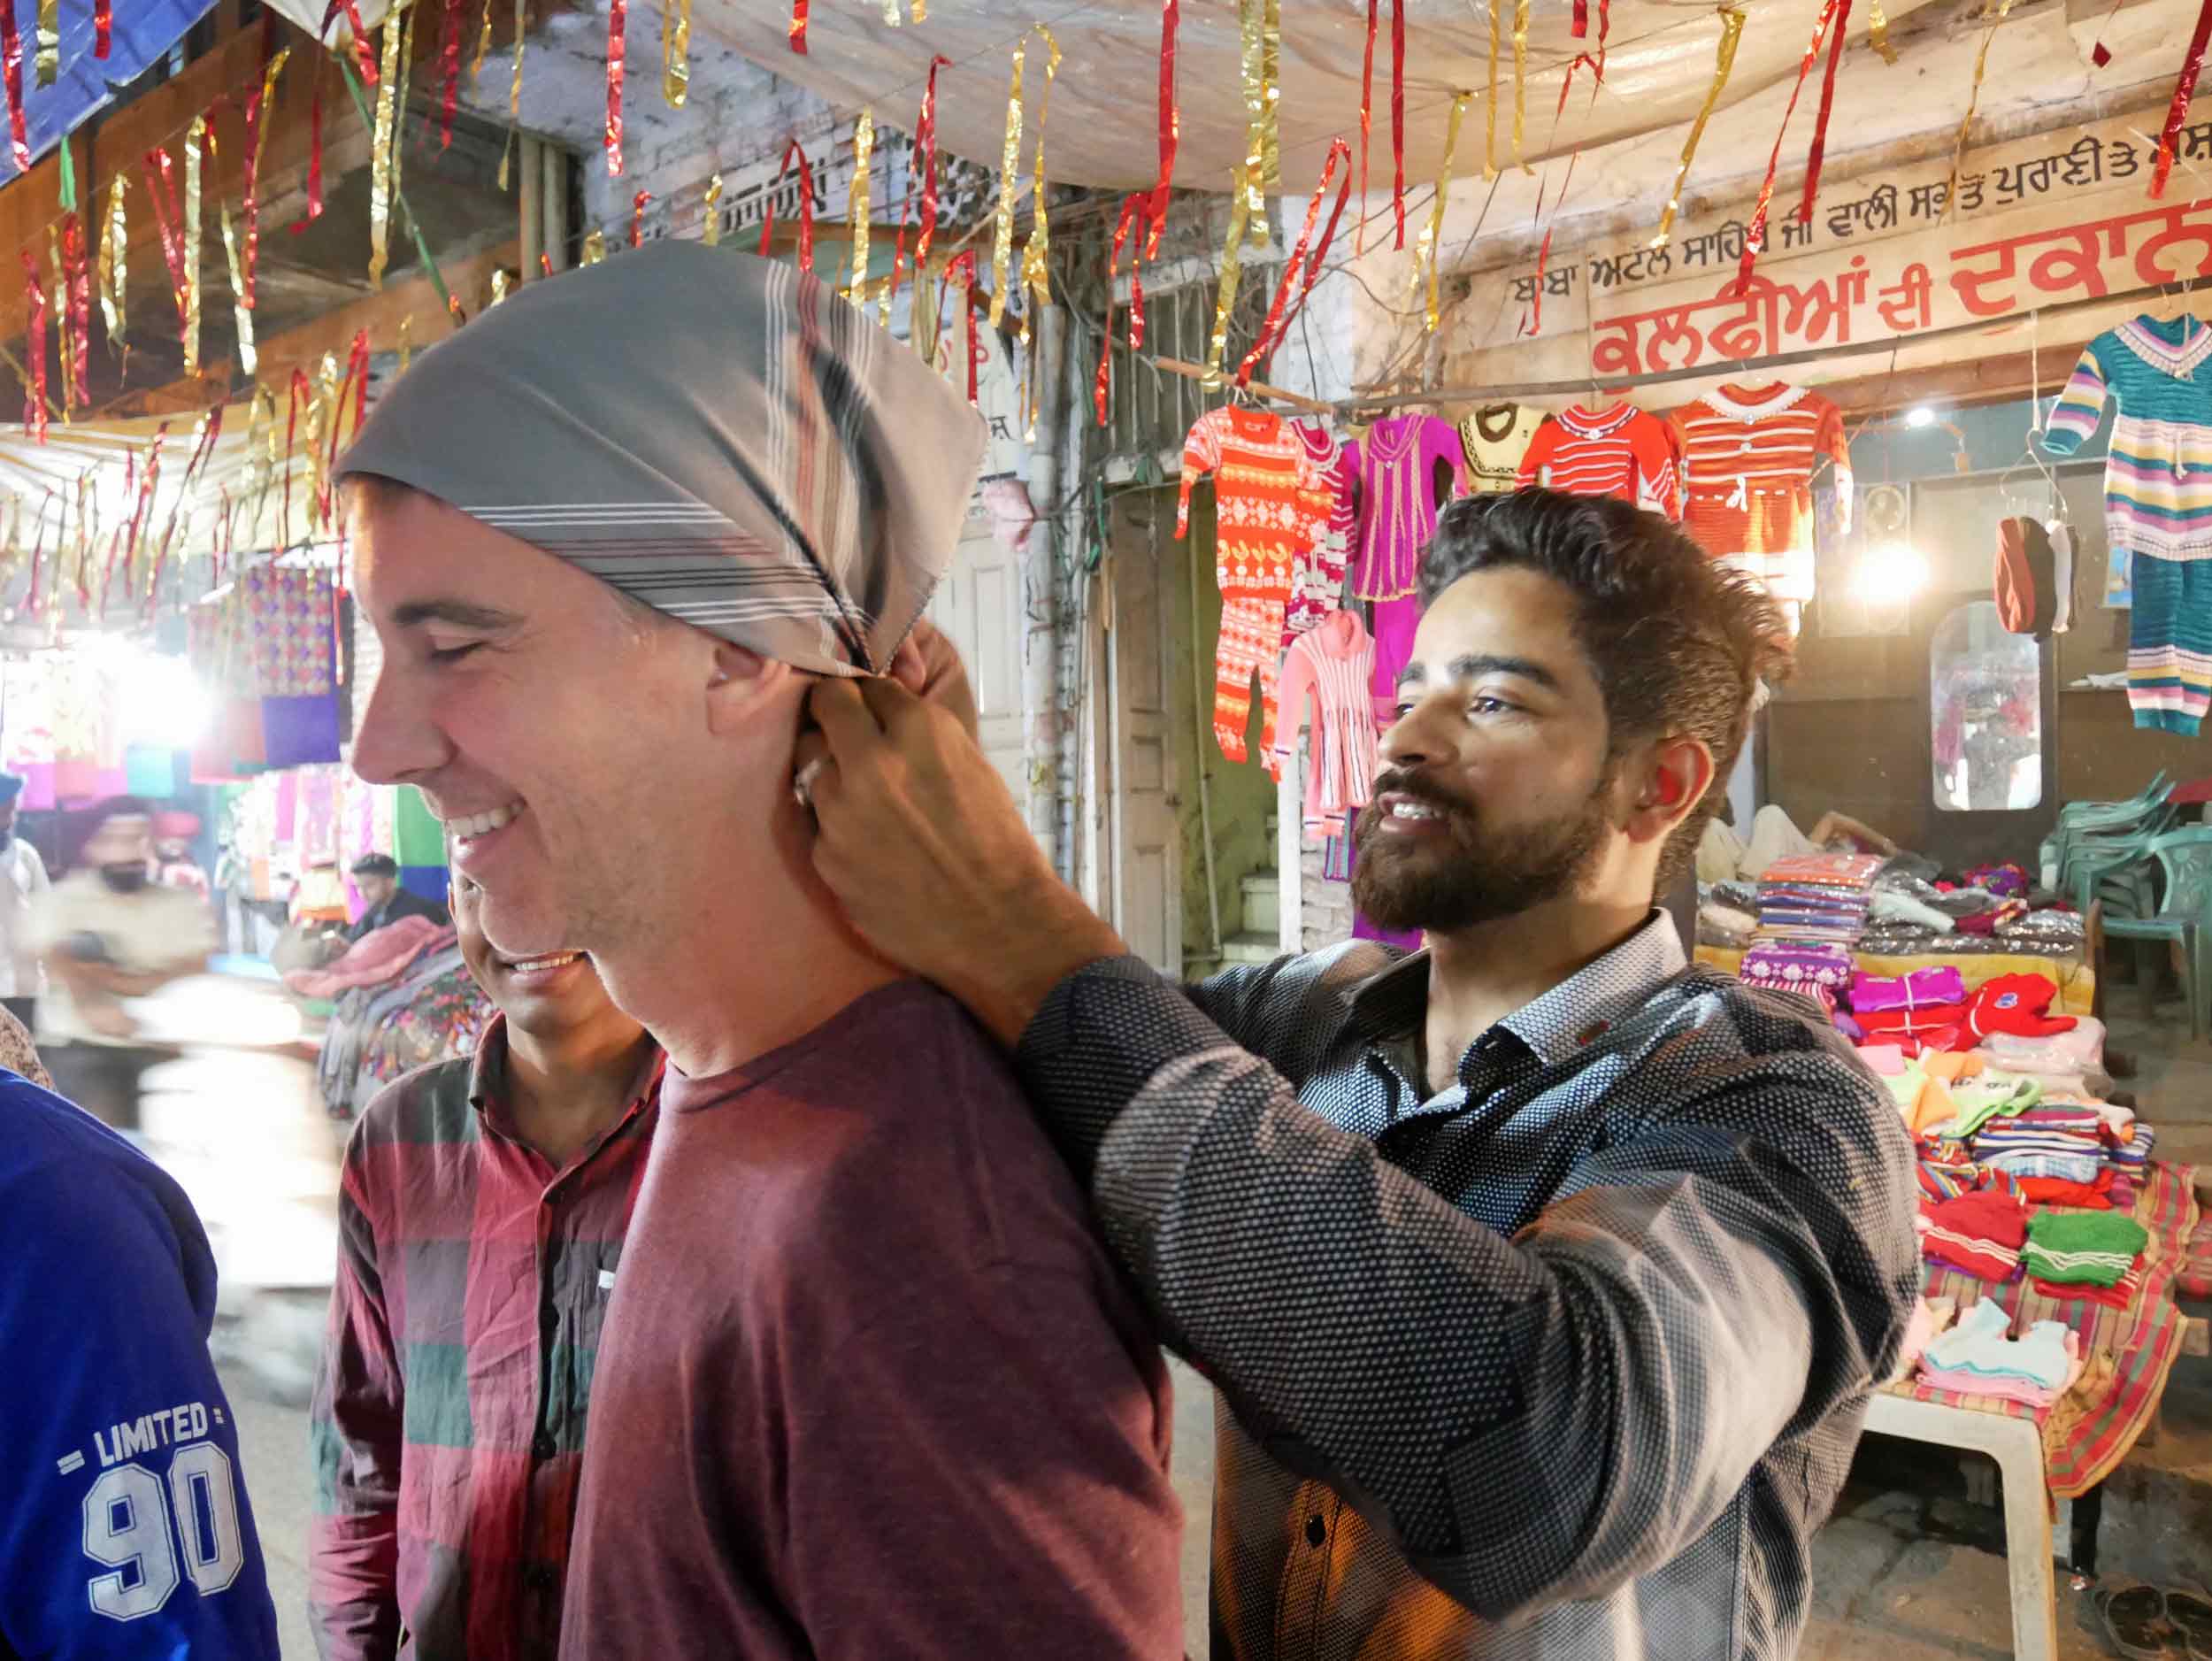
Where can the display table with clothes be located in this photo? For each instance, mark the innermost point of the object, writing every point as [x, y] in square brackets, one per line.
[2068, 970]
[431, 1009]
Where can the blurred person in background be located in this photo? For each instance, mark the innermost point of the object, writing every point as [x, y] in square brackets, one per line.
[125, 1530]
[111, 936]
[476, 1193]
[22, 880]
[377, 876]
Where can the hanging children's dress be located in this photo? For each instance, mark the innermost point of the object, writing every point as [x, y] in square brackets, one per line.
[1330, 665]
[1621, 451]
[1316, 578]
[1494, 439]
[1264, 496]
[1406, 468]
[2157, 500]
[1747, 461]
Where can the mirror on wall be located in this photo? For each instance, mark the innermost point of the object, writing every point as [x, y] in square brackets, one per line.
[1985, 713]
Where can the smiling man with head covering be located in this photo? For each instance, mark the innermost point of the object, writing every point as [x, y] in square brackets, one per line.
[608, 536]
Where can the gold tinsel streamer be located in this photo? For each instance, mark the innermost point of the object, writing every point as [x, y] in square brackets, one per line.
[247, 361]
[406, 342]
[195, 137]
[1731, 21]
[1520, 81]
[1255, 44]
[713, 212]
[499, 285]
[1973, 98]
[383, 162]
[113, 245]
[595, 248]
[49, 41]
[1009, 184]
[1877, 31]
[483, 45]
[1425, 250]
[1231, 269]
[71, 394]
[863, 152]
[676, 51]
[1490, 140]
[1036, 277]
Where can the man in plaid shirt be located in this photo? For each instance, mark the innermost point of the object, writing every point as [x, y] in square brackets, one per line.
[482, 1210]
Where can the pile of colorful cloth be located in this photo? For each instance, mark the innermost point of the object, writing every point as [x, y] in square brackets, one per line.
[2084, 1254]
[1817, 896]
[1980, 1356]
[1931, 1009]
[1816, 969]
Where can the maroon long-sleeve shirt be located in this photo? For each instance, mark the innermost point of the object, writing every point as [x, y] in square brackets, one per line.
[869, 1386]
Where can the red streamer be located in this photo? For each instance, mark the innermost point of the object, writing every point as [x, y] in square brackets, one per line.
[1272, 331]
[617, 23]
[792, 151]
[1820, 123]
[925, 140]
[450, 50]
[34, 346]
[1605, 28]
[1597, 72]
[1398, 113]
[1581, 28]
[250, 167]
[1366, 121]
[1171, 129]
[2185, 89]
[1754, 240]
[1105, 378]
[12, 74]
[77, 280]
[103, 28]
[798, 27]
[314, 157]
[637, 217]
[363, 54]
[161, 185]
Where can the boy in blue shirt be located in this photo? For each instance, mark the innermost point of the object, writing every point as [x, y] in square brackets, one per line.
[125, 1534]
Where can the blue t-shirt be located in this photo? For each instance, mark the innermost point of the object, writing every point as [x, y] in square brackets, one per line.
[125, 1534]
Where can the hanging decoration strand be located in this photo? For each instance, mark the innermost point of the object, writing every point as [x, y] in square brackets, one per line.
[797, 30]
[11, 75]
[196, 138]
[383, 159]
[57, 306]
[1833, 15]
[114, 256]
[76, 267]
[961, 275]
[1101, 382]
[1974, 98]
[452, 31]
[676, 51]
[161, 186]
[1036, 274]
[1520, 81]
[1009, 184]
[1252, 56]
[926, 145]
[618, 27]
[1398, 116]
[1366, 122]
[2177, 111]
[49, 41]
[257, 104]
[793, 153]
[314, 156]
[864, 156]
[1490, 108]
[241, 307]
[1226, 291]
[1878, 31]
[363, 52]
[638, 205]
[103, 28]
[35, 344]
[1171, 124]
[1732, 22]
[711, 209]
[1425, 253]
[1819, 147]
[1302, 271]
[483, 45]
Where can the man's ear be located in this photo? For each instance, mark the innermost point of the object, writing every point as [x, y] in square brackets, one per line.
[740, 681]
[1672, 781]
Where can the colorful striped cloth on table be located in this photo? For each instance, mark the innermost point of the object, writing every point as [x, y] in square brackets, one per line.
[2130, 1351]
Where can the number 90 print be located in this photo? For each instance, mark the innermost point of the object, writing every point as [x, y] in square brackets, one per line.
[126, 1528]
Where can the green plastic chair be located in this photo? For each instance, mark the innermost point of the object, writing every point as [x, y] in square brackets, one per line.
[2098, 838]
[2183, 917]
[2150, 795]
[2080, 820]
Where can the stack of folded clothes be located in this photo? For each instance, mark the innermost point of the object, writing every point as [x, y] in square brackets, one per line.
[1817, 969]
[1978, 1356]
[1817, 896]
[2127, 1151]
[2084, 1254]
[2062, 1143]
[1981, 1232]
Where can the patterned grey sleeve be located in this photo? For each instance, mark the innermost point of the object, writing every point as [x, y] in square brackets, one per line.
[1530, 1420]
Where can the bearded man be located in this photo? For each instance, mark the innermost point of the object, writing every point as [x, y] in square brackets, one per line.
[1544, 1278]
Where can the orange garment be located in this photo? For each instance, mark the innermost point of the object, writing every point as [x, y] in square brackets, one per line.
[1269, 505]
[1747, 459]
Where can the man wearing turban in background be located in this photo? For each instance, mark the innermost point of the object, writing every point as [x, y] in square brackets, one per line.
[868, 1385]
[22, 880]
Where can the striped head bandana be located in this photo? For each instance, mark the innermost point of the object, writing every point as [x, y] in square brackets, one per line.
[716, 435]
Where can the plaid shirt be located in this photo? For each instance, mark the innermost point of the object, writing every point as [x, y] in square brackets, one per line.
[1565, 1361]
[448, 1425]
